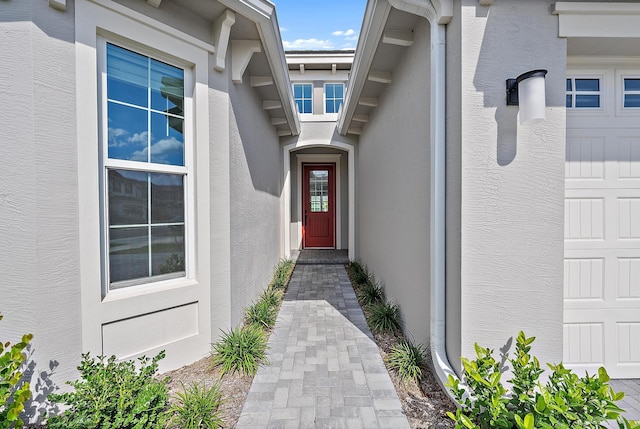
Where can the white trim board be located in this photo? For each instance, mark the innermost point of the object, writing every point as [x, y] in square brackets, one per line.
[597, 19]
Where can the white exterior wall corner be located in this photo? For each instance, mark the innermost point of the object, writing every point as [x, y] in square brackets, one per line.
[512, 184]
[393, 180]
[255, 189]
[220, 198]
[39, 268]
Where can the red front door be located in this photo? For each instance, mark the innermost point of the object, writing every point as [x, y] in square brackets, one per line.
[318, 205]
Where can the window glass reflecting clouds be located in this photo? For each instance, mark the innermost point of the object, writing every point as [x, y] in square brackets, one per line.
[146, 207]
[138, 132]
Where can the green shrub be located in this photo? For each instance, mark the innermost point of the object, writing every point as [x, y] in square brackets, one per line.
[240, 350]
[262, 314]
[197, 407]
[360, 273]
[113, 395]
[407, 359]
[272, 296]
[565, 401]
[13, 391]
[282, 273]
[384, 317]
[371, 293]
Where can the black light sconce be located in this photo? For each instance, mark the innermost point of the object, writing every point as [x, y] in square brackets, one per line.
[528, 92]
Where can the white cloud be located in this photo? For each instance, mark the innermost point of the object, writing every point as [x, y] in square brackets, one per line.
[139, 138]
[159, 150]
[114, 137]
[352, 38]
[283, 29]
[312, 44]
[119, 137]
[349, 32]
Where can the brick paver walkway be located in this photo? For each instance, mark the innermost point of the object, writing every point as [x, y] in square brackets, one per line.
[631, 401]
[324, 368]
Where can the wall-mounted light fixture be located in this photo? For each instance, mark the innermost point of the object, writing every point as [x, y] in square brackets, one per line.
[527, 91]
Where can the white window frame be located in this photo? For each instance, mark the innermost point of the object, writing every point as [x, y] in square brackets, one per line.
[574, 92]
[586, 68]
[325, 98]
[146, 167]
[303, 99]
[624, 92]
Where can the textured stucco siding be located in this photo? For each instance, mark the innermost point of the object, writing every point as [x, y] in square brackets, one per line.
[393, 188]
[39, 271]
[256, 185]
[512, 178]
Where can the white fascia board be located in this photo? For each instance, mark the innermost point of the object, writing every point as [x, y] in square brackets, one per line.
[324, 75]
[319, 58]
[600, 19]
[263, 14]
[375, 19]
[434, 10]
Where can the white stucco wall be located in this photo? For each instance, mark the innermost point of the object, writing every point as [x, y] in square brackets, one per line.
[255, 165]
[50, 257]
[512, 177]
[393, 187]
[39, 270]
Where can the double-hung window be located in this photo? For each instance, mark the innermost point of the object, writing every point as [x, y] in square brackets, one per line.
[303, 96]
[145, 173]
[333, 96]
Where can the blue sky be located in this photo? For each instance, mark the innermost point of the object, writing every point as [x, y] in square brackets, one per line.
[319, 24]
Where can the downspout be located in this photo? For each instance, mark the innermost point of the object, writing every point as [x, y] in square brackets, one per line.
[438, 13]
[441, 362]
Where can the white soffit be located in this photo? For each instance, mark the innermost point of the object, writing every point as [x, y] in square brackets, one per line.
[598, 19]
[262, 13]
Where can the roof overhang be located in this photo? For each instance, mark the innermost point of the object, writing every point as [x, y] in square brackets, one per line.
[386, 32]
[263, 14]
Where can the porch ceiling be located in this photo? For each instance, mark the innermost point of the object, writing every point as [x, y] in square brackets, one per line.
[383, 63]
[616, 46]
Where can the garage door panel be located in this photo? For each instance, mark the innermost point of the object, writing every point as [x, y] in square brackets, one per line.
[628, 343]
[585, 158]
[602, 238]
[628, 218]
[628, 278]
[584, 218]
[629, 158]
[584, 278]
[583, 343]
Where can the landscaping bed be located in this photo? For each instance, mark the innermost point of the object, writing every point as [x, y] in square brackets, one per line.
[424, 403]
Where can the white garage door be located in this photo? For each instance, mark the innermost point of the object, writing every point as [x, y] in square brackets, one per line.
[602, 221]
